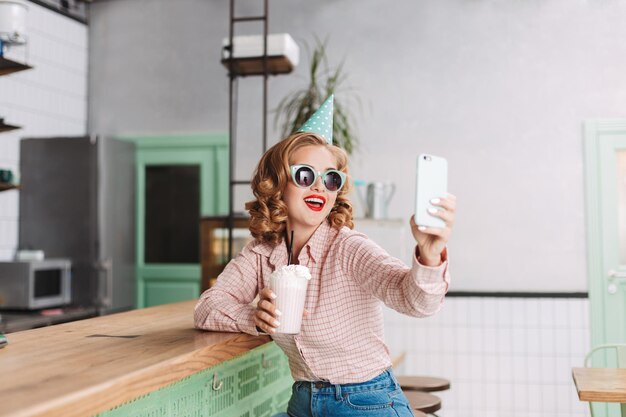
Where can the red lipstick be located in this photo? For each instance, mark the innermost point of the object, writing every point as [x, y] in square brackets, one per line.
[315, 202]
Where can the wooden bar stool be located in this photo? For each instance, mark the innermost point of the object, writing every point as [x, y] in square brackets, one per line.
[423, 383]
[424, 402]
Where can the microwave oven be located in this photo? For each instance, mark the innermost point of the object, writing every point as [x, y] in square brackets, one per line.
[35, 284]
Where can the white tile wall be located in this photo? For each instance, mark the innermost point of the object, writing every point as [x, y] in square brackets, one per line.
[505, 357]
[50, 99]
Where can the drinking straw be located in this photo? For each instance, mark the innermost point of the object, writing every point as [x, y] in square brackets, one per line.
[290, 249]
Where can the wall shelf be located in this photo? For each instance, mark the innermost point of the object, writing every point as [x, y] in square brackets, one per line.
[8, 66]
[5, 186]
[4, 127]
[254, 66]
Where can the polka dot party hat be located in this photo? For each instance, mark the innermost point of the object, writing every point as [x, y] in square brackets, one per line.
[321, 122]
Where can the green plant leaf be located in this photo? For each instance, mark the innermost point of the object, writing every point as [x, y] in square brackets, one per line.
[296, 107]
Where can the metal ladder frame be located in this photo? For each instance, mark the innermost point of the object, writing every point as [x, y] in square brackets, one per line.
[232, 108]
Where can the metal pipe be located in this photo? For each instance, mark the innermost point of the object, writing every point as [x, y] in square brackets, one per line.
[265, 74]
[231, 131]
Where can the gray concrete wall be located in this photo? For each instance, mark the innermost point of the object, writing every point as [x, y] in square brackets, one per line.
[500, 88]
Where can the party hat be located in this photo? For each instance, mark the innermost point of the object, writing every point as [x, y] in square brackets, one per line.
[321, 122]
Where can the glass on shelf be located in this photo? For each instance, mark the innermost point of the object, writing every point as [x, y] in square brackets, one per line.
[241, 238]
[214, 245]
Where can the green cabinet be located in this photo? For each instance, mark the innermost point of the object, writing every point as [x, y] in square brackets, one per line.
[256, 384]
[179, 180]
[157, 292]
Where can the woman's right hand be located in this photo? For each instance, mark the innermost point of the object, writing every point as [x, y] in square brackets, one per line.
[266, 315]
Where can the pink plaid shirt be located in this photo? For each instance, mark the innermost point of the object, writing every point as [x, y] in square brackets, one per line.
[341, 340]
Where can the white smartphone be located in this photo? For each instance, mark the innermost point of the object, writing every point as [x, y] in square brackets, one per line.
[431, 182]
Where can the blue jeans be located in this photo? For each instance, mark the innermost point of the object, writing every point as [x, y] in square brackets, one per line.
[381, 396]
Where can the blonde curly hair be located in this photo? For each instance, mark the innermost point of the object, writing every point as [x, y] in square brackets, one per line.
[268, 213]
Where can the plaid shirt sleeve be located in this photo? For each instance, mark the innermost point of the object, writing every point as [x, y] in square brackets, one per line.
[418, 291]
[226, 306]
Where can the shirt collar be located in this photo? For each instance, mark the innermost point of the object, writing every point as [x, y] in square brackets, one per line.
[314, 246]
[318, 241]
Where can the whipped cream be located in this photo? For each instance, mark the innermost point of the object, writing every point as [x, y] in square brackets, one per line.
[289, 271]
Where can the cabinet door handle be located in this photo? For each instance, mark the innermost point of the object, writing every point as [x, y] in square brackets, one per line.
[216, 386]
[106, 293]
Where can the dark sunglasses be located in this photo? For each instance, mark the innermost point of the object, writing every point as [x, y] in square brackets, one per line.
[305, 176]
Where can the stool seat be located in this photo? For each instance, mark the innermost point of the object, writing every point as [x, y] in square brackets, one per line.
[423, 383]
[417, 413]
[427, 403]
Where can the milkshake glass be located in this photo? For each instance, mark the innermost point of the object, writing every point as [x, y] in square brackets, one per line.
[289, 283]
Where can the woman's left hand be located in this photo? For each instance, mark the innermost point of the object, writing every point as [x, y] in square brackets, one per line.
[432, 240]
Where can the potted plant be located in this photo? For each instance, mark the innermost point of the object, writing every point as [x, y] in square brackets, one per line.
[299, 105]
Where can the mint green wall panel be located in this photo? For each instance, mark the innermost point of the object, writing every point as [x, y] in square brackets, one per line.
[164, 292]
[256, 384]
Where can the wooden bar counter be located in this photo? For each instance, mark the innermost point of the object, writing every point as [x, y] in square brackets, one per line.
[91, 366]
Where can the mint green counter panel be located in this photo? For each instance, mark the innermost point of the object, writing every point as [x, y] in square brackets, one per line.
[256, 384]
[159, 282]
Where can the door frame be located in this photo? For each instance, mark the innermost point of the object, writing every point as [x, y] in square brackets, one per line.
[210, 150]
[594, 130]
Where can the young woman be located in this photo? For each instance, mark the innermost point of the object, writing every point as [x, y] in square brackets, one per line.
[339, 360]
